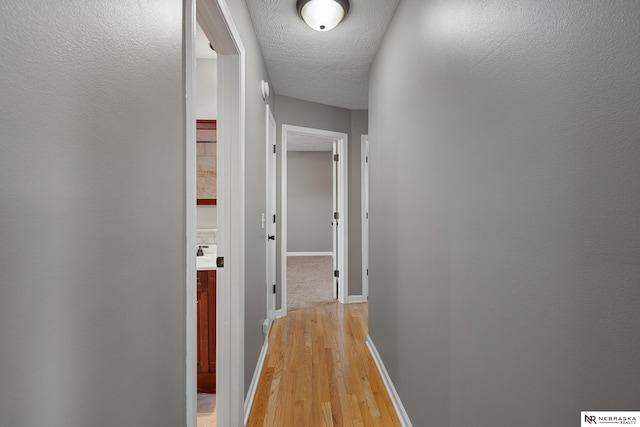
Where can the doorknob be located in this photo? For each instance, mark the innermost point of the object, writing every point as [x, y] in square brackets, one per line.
[271, 237]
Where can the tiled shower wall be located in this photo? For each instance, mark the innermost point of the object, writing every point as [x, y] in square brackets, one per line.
[206, 236]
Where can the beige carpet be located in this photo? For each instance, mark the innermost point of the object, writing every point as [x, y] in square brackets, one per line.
[206, 410]
[309, 281]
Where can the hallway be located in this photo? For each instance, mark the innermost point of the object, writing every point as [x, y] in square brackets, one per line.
[319, 372]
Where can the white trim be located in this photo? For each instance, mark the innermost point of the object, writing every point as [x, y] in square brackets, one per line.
[343, 263]
[248, 403]
[364, 205]
[271, 208]
[309, 253]
[335, 229]
[393, 394]
[352, 299]
[283, 226]
[343, 259]
[190, 211]
[269, 324]
[215, 19]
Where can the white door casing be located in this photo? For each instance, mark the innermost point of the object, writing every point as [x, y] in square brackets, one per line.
[364, 168]
[191, 345]
[271, 215]
[215, 19]
[342, 202]
[334, 220]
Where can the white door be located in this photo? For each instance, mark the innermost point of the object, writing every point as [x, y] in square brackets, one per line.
[271, 215]
[335, 218]
[365, 215]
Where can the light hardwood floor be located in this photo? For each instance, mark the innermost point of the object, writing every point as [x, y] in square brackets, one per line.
[319, 372]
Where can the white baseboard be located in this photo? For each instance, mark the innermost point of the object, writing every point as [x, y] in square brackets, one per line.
[279, 314]
[395, 398]
[351, 299]
[248, 402]
[269, 322]
[309, 253]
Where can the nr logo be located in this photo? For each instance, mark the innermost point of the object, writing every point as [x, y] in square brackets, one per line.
[591, 419]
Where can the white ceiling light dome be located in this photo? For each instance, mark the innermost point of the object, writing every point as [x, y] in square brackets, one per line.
[322, 15]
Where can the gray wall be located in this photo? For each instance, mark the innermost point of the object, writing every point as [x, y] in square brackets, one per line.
[255, 189]
[291, 111]
[505, 241]
[92, 320]
[309, 201]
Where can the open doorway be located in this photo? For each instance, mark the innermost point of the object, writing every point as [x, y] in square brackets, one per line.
[311, 199]
[218, 28]
[314, 200]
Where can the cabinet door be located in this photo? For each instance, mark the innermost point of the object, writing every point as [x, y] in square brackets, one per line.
[211, 286]
[206, 331]
[203, 322]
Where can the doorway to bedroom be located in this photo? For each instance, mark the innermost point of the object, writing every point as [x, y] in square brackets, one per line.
[313, 200]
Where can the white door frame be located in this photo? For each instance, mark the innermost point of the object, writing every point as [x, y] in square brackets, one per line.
[342, 139]
[335, 207]
[215, 19]
[270, 144]
[364, 203]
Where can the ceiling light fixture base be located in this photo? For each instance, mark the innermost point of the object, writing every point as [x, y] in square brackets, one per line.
[323, 15]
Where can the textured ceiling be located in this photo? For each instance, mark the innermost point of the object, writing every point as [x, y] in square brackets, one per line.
[326, 67]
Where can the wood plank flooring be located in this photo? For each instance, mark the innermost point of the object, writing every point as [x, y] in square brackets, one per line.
[319, 373]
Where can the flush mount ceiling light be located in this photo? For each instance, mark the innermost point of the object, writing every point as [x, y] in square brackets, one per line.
[322, 15]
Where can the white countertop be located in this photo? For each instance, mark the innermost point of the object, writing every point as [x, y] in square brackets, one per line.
[208, 260]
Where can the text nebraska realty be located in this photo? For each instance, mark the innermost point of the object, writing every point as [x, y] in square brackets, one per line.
[611, 420]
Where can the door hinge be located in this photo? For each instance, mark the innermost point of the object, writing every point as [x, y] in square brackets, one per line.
[220, 262]
[336, 273]
[366, 159]
[336, 157]
[274, 148]
[274, 219]
[367, 215]
[336, 215]
[367, 271]
[274, 289]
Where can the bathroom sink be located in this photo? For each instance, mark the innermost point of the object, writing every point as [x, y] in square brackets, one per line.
[206, 262]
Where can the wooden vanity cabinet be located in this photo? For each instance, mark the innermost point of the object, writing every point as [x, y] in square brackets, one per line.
[206, 321]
